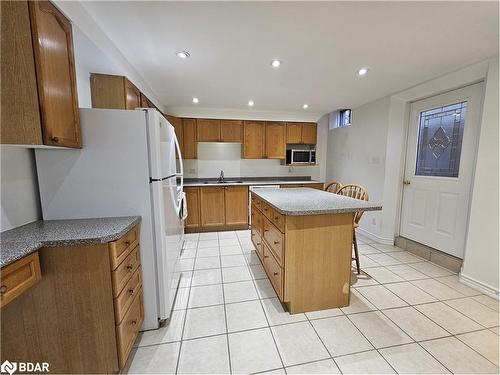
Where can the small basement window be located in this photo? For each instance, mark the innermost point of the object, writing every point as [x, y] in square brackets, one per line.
[340, 118]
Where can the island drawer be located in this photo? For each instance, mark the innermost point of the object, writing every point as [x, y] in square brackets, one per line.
[278, 219]
[125, 270]
[257, 242]
[256, 219]
[119, 249]
[274, 271]
[274, 239]
[19, 276]
[124, 300]
[128, 329]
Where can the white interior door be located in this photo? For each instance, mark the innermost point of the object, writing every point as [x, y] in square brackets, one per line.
[440, 160]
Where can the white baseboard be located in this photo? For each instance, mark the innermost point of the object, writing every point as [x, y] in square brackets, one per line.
[374, 237]
[480, 286]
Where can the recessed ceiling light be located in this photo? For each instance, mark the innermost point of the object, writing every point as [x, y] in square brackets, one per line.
[195, 100]
[250, 103]
[305, 106]
[182, 54]
[275, 63]
[362, 71]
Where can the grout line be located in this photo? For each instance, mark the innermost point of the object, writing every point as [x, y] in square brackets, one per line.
[225, 310]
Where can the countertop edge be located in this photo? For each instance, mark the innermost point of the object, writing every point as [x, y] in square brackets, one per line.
[32, 246]
[250, 183]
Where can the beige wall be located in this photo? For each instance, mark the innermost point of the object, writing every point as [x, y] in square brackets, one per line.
[481, 263]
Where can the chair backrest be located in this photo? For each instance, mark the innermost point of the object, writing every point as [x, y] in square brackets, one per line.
[333, 186]
[356, 192]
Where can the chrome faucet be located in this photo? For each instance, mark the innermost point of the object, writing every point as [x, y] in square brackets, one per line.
[221, 177]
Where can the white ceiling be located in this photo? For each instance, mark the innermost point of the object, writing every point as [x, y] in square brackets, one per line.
[321, 45]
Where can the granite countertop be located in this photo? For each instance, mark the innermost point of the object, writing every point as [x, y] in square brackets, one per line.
[308, 201]
[248, 181]
[21, 241]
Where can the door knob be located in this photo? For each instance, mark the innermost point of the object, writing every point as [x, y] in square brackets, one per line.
[406, 182]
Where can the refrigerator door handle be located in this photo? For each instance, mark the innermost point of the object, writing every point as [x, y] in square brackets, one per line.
[181, 173]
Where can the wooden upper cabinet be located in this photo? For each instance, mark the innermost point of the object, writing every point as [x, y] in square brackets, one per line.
[301, 133]
[176, 122]
[275, 140]
[132, 96]
[253, 139]
[309, 133]
[189, 138]
[55, 67]
[145, 102]
[212, 207]
[231, 131]
[20, 111]
[39, 98]
[236, 205]
[208, 130]
[193, 206]
[294, 132]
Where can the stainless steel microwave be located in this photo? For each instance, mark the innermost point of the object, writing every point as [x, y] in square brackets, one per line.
[301, 156]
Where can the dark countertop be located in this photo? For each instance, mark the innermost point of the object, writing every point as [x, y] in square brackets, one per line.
[308, 201]
[21, 241]
[248, 181]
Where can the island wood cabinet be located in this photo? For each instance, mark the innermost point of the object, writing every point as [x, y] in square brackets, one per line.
[216, 208]
[301, 133]
[316, 185]
[306, 257]
[38, 92]
[85, 313]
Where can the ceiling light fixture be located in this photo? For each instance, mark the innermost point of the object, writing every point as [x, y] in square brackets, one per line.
[305, 106]
[195, 100]
[362, 71]
[275, 63]
[182, 54]
[250, 103]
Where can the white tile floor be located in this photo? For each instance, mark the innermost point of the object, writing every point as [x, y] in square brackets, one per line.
[406, 316]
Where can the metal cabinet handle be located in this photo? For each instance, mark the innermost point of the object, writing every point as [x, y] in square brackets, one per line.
[54, 139]
[3, 289]
[266, 256]
[275, 273]
[127, 242]
[134, 322]
[130, 267]
[131, 291]
[276, 242]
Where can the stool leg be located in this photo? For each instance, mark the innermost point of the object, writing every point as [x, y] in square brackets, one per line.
[356, 255]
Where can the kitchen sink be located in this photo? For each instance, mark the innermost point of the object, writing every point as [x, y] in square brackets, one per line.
[223, 182]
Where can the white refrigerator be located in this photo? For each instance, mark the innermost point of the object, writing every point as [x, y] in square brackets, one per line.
[130, 164]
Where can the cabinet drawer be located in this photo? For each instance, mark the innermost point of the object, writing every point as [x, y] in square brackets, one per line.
[274, 239]
[119, 249]
[267, 210]
[274, 271]
[18, 277]
[124, 300]
[278, 219]
[257, 220]
[125, 270]
[128, 329]
[257, 241]
[257, 202]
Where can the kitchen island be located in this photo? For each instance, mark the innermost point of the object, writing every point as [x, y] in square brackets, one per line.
[303, 238]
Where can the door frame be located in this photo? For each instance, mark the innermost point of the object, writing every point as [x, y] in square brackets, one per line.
[404, 153]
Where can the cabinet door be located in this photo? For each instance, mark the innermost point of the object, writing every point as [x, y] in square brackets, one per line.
[275, 140]
[176, 122]
[132, 95]
[309, 133]
[253, 139]
[236, 203]
[293, 132]
[20, 111]
[318, 186]
[193, 206]
[145, 103]
[231, 131]
[208, 130]
[55, 68]
[107, 91]
[189, 138]
[212, 211]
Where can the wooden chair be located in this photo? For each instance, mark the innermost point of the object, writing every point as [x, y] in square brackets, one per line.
[356, 192]
[333, 186]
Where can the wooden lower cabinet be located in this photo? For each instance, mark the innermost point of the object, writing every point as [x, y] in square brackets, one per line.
[307, 258]
[216, 208]
[313, 185]
[85, 313]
